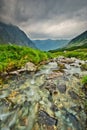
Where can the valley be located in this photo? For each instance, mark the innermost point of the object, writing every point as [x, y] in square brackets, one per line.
[42, 87]
[49, 44]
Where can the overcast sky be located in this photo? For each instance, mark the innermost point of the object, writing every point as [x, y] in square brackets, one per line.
[44, 19]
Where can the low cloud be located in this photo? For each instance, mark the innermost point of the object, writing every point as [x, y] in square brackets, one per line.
[46, 18]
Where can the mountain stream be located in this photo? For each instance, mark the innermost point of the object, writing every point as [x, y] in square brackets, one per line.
[49, 99]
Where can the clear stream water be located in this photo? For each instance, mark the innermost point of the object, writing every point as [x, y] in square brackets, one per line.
[45, 100]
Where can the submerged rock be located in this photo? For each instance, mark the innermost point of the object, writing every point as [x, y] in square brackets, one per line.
[61, 88]
[54, 75]
[54, 108]
[61, 66]
[73, 94]
[73, 120]
[45, 119]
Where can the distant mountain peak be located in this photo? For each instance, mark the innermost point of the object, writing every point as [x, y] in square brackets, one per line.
[50, 44]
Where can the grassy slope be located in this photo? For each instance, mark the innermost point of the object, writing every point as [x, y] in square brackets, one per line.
[14, 57]
[78, 52]
[80, 40]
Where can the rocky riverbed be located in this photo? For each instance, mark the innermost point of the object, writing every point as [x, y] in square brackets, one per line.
[51, 98]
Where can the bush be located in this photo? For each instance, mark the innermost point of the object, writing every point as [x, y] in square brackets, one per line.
[84, 79]
[13, 56]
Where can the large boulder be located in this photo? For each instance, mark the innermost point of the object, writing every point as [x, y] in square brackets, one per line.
[30, 66]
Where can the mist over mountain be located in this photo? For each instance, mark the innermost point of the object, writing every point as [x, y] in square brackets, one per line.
[10, 34]
[50, 44]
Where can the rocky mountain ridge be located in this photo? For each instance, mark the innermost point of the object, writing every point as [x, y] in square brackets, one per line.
[11, 34]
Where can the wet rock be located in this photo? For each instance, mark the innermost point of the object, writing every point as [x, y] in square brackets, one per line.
[61, 88]
[50, 97]
[65, 78]
[72, 119]
[45, 119]
[14, 73]
[27, 103]
[50, 86]
[76, 108]
[67, 60]
[73, 94]
[78, 61]
[54, 108]
[75, 65]
[30, 66]
[76, 75]
[54, 75]
[61, 65]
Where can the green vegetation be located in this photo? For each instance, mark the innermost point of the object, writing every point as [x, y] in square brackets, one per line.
[84, 79]
[79, 41]
[77, 47]
[78, 53]
[14, 57]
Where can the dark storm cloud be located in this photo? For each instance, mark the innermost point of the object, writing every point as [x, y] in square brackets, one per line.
[46, 18]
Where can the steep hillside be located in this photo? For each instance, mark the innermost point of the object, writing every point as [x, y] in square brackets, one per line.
[49, 44]
[13, 35]
[80, 41]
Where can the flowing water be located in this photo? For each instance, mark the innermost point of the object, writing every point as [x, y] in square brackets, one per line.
[45, 100]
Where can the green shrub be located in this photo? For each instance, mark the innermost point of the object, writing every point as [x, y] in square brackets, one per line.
[78, 53]
[84, 79]
[13, 56]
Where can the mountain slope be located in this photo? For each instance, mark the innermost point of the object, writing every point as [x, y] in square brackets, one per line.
[80, 40]
[49, 44]
[13, 35]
